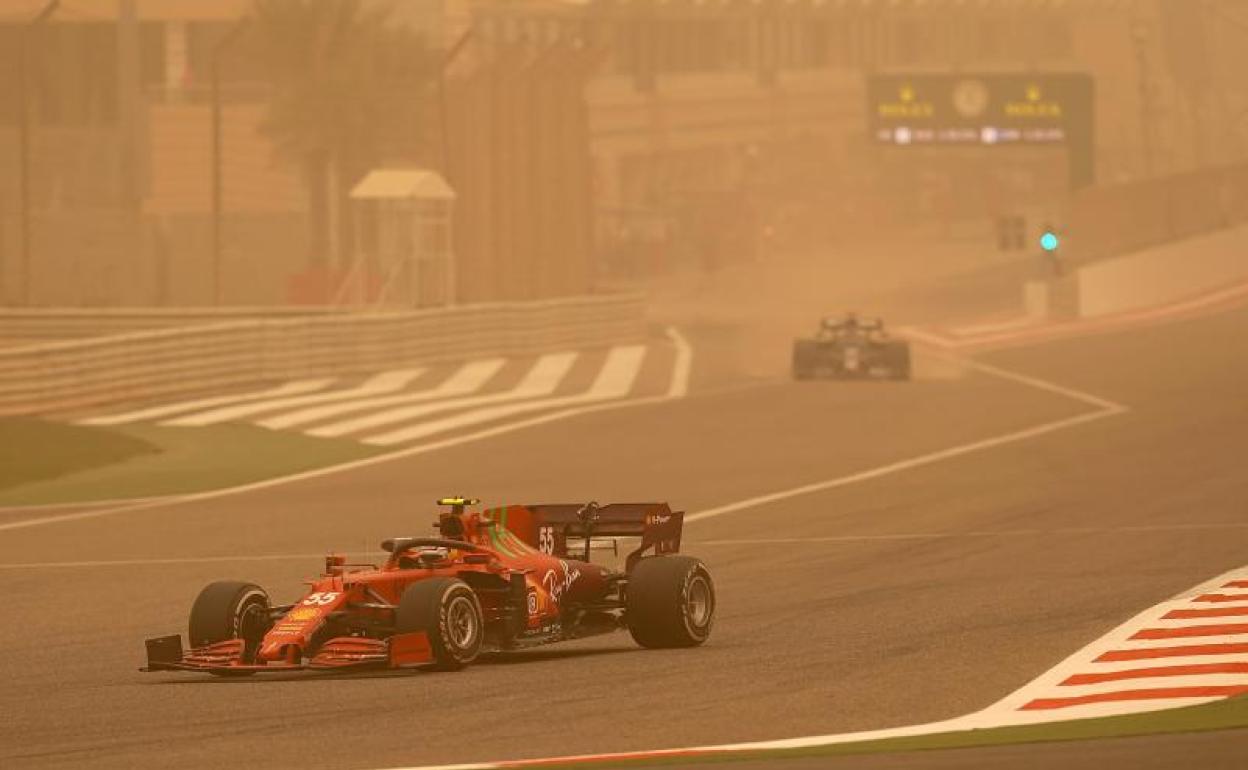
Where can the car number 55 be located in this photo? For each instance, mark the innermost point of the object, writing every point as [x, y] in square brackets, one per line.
[321, 598]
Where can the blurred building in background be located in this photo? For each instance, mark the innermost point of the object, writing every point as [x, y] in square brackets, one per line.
[685, 133]
[725, 129]
[120, 158]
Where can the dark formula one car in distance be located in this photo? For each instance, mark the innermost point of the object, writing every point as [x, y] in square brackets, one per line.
[500, 579]
[851, 348]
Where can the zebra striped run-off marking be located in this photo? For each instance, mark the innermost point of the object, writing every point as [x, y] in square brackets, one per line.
[542, 379]
[382, 410]
[614, 381]
[1190, 650]
[165, 410]
[468, 378]
[678, 387]
[386, 382]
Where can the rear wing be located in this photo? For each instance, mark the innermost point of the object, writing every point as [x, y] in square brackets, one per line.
[863, 324]
[560, 529]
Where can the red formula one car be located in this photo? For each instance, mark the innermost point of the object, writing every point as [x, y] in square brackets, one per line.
[501, 579]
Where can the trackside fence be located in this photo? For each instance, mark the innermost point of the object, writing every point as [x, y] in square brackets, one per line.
[31, 325]
[168, 362]
[1120, 219]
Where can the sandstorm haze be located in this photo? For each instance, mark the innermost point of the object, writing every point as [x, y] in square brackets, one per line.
[185, 153]
[793, 368]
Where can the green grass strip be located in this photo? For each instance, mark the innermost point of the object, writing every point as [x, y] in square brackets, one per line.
[34, 450]
[77, 464]
[1222, 715]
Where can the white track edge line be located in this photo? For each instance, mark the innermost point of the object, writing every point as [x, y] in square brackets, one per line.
[985, 718]
[931, 338]
[682, 366]
[1104, 408]
[677, 376]
[36, 507]
[333, 469]
[902, 465]
[179, 561]
[848, 539]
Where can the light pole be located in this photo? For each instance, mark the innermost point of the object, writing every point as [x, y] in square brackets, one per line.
[1140, 37]
[444, 148]
[443, 128]
[23, 142]
[217, 205]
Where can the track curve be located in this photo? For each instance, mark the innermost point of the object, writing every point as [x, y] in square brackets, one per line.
[911, 597]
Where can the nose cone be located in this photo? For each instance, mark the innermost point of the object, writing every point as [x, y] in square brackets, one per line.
[272, 650]
[295, 628]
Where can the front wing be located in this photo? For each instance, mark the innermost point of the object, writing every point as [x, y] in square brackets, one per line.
[832, 361]
[165, 653]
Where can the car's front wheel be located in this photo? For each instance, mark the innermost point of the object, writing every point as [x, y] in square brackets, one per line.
[230, 609]
[447, 611]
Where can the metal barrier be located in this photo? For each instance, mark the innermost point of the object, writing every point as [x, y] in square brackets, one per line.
[158, 363]
[40, 324]
[1114, 220]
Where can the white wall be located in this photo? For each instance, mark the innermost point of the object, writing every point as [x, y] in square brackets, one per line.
[1164, 274]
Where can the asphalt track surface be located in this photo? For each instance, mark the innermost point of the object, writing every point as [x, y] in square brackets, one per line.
[914, 597]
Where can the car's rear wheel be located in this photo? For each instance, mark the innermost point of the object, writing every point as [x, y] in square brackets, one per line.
[447, 611]
[670, 602]
[803, 360]
[230, 609]
[901, 362]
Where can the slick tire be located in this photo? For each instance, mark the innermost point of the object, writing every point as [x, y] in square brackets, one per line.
[670, 602]
[448, 612]
[803, 361]
[901, 362]
[229, 609]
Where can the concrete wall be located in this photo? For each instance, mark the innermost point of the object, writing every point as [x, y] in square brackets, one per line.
[1164, 274]
[1126, 218]
[169, 362]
